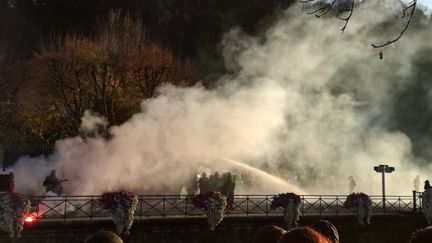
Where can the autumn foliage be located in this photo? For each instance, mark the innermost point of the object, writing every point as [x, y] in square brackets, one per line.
[109, 74]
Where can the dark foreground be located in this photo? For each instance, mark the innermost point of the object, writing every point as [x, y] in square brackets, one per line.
[384, 229]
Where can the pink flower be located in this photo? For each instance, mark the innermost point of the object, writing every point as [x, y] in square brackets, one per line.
[353, 200]
[201, 200]
[112, 200]
[282, 200]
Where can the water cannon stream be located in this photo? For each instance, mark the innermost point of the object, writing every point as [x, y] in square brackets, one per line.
[278, 184]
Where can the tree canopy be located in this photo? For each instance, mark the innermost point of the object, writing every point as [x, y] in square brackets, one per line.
[59, 58]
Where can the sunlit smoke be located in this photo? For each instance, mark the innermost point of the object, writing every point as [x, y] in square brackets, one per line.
[304, 103]
[342, 99]
[92, 124]
[417, 183]
[172, 138]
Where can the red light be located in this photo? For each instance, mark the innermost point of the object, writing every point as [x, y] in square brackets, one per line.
[29, 219]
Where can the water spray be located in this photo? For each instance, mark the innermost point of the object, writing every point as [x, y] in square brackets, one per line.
[280, 185]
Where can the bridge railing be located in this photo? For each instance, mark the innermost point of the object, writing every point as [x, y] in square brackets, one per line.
[162, 206]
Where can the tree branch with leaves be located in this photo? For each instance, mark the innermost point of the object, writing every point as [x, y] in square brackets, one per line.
[109, 74]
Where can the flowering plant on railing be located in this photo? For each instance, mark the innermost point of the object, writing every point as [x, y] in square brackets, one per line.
[13, 209]
[122, 207]
[214, 204]
[427, 204]
[290, 202]
[361, 204]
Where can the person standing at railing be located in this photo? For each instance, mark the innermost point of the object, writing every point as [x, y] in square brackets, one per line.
[352, 184]
[192, 185]
[52, 183]
[227, 188]
[204, 183]
[214, 182]
[427, 202]
[427, 185]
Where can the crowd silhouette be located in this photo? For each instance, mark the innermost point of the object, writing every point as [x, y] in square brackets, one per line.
[321, 231]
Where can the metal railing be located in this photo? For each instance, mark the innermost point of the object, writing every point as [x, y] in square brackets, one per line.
[165, 206]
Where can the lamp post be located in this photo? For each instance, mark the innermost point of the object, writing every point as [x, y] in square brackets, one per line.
[383, 169]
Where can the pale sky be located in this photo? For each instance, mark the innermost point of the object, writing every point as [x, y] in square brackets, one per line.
[427, 3]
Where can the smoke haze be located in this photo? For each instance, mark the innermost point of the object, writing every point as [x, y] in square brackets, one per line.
[304, 102]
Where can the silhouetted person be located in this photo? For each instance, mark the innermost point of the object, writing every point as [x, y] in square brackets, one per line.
[422, 236]
[427, 186]
[303, 235]
[268, 234]
[104, 237]
[228, 188]
[327, 229]
[192, 186]
[52, 183]
[214, 182]
[204, 183]
[352, 184]
[223, 187]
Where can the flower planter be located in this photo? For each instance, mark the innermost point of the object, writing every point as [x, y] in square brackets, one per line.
[214, 204]
[361, 205]
[121, 206]
[427, 205]
[290, 202]
[13, 209]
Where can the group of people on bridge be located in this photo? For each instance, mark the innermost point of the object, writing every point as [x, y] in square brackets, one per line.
[224, 184]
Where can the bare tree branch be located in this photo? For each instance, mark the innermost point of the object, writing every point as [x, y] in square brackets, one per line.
[324, 9]
[338, 5]
[410, 7]
[345, 14]
[347, 18]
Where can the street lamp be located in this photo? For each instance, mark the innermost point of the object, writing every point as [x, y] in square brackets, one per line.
[383, 169]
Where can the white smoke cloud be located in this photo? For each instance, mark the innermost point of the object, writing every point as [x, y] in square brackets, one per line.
[304, 98]
[173, 136]
[338, 90]
[92, 123]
